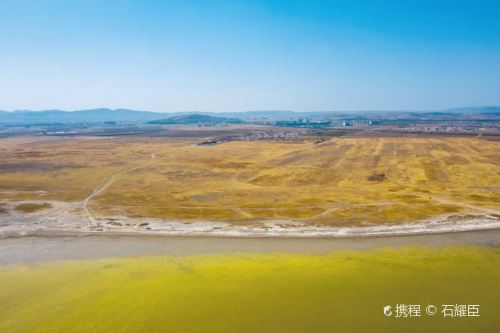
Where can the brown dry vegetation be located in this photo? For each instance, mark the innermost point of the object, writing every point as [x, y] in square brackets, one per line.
[333, 182]
[32, 207]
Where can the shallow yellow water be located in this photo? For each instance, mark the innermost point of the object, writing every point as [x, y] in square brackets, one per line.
[338, 292]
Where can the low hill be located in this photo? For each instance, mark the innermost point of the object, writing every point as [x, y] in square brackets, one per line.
[196, 119]
[477, 109]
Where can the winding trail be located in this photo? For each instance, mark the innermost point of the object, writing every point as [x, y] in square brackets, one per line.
[102, 188]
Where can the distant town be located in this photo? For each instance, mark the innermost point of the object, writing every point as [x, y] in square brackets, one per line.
[464, 121]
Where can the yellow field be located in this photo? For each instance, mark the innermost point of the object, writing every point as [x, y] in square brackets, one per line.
[341, 181]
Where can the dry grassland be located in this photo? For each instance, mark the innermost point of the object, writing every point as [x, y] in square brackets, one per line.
[340, 181]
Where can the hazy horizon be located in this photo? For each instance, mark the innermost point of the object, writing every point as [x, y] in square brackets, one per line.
[262, 110]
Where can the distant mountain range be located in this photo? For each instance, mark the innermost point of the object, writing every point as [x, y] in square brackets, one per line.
[82, 116]
[22, 117]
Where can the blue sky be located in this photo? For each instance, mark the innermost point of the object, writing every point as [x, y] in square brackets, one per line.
[249, 55]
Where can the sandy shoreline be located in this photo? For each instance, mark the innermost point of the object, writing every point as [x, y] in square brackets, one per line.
[61, 218]
[52, 247]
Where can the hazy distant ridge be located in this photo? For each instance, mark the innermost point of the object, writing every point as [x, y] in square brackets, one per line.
[125, 115]
[81, 116]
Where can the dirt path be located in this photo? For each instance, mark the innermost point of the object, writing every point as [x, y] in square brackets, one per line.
[102, 188]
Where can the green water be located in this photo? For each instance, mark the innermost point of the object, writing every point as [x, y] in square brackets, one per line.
[338, 292]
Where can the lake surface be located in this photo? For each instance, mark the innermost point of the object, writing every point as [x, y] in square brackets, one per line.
[343, 291]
